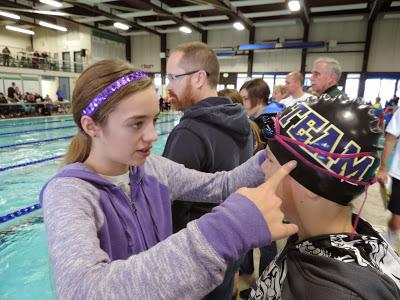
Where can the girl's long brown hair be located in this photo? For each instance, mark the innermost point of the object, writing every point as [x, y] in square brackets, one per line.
[91, 82]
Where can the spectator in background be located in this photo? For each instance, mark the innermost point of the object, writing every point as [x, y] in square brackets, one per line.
[38, 98]
[3, 99]
[18, 93]
[394, 102]
[12, 93]
[4, 109]
[255, 95]
[210, 128]
[237, 98]
[392, 145]
[161, 103]
[30, 98]
[378, 111]
[231, 93]
[166, 103]
[35, 59]
[60, 95]
[279, 93]
[325, 76]
[6, 56]
[294, 87]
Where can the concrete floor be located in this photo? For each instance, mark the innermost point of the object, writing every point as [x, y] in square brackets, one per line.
[374, 212]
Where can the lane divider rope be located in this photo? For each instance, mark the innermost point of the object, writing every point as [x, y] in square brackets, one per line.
[36, 130]
[36, 142]
[57, 128]
[45, 159]
[30, 163]
[20, 124]
[19, 213]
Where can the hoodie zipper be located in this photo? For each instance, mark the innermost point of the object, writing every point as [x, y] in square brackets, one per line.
[133, 206]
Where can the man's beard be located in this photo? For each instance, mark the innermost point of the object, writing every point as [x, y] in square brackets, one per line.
[185, 100]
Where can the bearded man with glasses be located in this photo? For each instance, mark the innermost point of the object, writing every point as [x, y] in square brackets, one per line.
[213, 134]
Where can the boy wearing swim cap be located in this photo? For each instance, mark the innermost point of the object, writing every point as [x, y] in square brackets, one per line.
[336, 254]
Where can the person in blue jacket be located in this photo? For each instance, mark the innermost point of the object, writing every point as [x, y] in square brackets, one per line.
[255, 95]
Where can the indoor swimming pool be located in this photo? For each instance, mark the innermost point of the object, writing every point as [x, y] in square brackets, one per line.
[30, 151]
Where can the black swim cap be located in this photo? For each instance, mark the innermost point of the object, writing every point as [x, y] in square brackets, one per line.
[320, 133]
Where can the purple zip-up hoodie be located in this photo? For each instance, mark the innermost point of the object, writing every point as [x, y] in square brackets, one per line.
[103, 245]
[131, 225]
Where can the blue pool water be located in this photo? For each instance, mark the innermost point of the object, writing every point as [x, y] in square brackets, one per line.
[24, 263]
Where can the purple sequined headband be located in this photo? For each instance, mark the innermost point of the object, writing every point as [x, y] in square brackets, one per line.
[111, 89]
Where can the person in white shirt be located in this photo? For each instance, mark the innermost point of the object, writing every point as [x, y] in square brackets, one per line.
[294, 87]
[391, 139]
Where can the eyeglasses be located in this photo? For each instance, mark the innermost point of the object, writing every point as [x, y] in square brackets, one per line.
[176, 76]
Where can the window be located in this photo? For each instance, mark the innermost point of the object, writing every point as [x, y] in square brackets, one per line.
[371, 90]
[352, 82]
[280, 80]
[387, 90]
[241, 78]
[307, 80]
[269, 79]
[379, 87]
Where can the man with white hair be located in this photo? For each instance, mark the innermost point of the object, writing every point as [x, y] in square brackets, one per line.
[294, 87]
[325, 76]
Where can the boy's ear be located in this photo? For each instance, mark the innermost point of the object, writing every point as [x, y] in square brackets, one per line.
[89, 126]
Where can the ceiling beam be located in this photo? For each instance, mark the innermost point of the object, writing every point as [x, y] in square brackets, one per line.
[376, 7]
[340, 13]
[305, 13]
[128, 15]
[190, 8]
[17, 5]
[113, 17]
[255, 2]
[157, 6]
[234, 13]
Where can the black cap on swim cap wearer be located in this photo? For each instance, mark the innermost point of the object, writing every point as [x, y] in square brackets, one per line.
[335, 125]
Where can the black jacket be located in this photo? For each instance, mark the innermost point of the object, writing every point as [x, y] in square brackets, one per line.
[213, 135]
[333, 267]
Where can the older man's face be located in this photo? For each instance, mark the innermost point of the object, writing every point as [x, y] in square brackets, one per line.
[321, 79]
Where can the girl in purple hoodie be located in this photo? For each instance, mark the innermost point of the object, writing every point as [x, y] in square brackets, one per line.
[108, 210]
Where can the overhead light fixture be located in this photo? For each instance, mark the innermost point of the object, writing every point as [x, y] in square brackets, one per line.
[52, 26]
[9, 15]
[238, 26]
[294, 5]
[52, 3]
[121, 26]
[185, 29]
[18, 29]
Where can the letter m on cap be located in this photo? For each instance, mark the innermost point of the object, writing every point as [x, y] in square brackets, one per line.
[355, 167]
